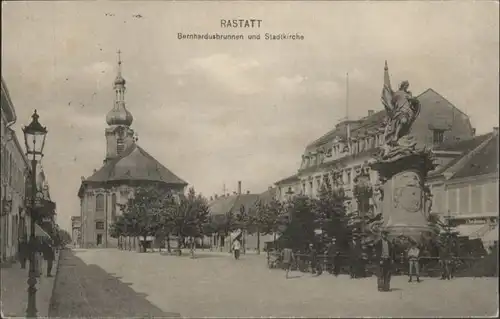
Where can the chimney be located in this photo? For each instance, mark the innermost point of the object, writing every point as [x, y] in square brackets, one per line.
[370, 112]
[474, 131]
[239, 187]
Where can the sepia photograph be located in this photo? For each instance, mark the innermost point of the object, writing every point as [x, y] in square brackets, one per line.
[249, 159]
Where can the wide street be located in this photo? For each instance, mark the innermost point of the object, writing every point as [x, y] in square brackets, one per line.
[111, 282]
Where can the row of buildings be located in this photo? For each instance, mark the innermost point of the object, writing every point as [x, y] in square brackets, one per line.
[464, 184]
[16, 175]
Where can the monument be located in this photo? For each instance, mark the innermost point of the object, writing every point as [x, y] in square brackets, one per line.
[403, 199]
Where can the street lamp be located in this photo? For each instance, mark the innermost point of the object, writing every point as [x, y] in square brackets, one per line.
[34, 140]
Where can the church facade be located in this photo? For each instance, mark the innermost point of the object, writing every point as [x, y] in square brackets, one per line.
[126, 166]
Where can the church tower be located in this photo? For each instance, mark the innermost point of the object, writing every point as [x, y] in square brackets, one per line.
[119, 135]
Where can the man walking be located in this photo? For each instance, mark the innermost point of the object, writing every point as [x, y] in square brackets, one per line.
[354, 252]
[445, 261]
[385, 253]
[49, 256]
[288, 258]
[413, 261]
[23, 251]
[313, 257]
[236, 249]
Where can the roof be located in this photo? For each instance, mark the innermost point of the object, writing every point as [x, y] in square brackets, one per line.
[289, 179]
[375, 121]
[268, 196]
[464, 147]
[135, 164]
[7, 105]
[483, 161]
[225, 204]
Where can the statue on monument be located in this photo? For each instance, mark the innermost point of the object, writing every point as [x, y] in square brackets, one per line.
[402, 110]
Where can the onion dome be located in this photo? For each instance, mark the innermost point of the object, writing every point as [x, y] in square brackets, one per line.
[119, 115]
[119, 80]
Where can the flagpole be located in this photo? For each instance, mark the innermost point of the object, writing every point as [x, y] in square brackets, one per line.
[348, 125]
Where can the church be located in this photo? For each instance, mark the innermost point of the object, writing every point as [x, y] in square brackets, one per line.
[125, 167]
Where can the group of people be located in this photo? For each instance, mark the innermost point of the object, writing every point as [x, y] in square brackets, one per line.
[385, 255]
[44, 249]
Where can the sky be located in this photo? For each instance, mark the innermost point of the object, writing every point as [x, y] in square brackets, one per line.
[218, 111]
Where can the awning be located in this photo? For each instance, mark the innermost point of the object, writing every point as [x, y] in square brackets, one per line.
[235, 234]
[470, 230]
[491, 236]
[39, 232]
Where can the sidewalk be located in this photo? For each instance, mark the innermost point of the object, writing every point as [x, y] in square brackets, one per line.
[14, 287]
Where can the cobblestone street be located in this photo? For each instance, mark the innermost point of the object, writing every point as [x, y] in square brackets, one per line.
[214, 284]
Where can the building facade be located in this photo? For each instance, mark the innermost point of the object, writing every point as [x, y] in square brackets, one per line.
[14, 174]
[465, 186]
[126, 166]
[340, 154]
[237, 203]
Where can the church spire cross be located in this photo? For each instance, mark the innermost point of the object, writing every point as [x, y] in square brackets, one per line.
[119, 81]
[119, 115]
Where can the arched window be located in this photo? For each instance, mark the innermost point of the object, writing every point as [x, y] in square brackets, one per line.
[99, 203]
[113, 207]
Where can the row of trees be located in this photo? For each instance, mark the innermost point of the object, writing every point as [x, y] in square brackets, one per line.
[159, 213]
[299, 221]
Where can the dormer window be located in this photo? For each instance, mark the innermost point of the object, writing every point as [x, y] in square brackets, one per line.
[329, 152]
[437, 136]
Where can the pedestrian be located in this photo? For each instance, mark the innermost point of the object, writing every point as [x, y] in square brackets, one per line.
[288, 258]
[48, 255]
[23, 251]
[236, 249]
[354, 253]
[445, 260]
[385, 253]
[192, 247]
[413, 261]
[330, 252]
[38, 247]
[313, 258]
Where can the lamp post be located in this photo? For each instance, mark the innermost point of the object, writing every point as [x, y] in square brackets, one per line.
[34, 139]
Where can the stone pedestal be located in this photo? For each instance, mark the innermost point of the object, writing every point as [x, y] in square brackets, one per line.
[405, 207]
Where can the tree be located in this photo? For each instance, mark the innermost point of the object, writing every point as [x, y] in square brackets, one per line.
[61, 237]
[118, 230]
[445, 234]
[243, 221]
[330, 214]
[142, 214]
[187, 216]
[271, 218]
[301, 222]
[223, 225]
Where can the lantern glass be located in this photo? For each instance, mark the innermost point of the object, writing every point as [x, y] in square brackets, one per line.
[34, 137]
